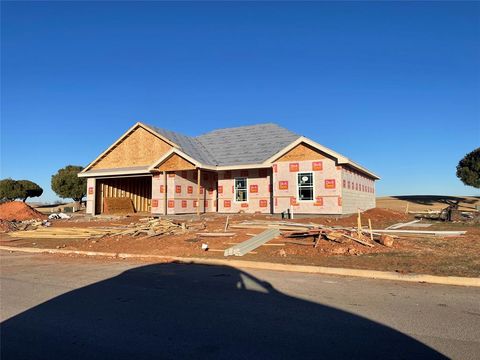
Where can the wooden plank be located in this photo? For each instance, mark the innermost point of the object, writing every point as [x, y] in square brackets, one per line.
[358, 240]
[422, 232]
[216, 234]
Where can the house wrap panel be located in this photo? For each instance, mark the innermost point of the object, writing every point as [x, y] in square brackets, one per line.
[258, 185]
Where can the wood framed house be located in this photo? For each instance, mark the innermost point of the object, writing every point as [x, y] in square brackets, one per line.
[260, 168]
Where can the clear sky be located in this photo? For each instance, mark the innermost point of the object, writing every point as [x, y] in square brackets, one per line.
[395, 86]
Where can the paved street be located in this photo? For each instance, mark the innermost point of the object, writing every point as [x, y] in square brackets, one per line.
[78, 308]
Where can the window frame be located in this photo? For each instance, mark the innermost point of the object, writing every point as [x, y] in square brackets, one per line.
[312, 186]
[235, 189]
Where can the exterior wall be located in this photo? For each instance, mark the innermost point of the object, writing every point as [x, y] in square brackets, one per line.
[326, 181]
[91, 196]
[358, 191]
[158, 194]
[258, 191]
[182, 192]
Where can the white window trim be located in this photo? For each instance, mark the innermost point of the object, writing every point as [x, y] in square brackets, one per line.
[298, 187]
[235, 189]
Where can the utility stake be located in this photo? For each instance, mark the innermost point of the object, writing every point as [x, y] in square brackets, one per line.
[359, 223]
[226, 224]
[371, 232]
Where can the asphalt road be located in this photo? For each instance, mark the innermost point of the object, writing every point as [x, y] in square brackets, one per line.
[76, 308]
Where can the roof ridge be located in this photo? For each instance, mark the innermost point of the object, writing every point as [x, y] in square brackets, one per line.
[239, 127]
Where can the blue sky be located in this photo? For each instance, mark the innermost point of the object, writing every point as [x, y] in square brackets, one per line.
[395, 85]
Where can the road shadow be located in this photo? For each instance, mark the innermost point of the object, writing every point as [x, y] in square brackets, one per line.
[175, 311]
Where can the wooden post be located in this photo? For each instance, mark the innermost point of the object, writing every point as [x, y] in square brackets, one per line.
[370, 227]
[226, 224]
[359, 223]
[165, 201]
[198, 191]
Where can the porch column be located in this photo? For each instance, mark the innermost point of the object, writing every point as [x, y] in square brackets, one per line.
[198, 191]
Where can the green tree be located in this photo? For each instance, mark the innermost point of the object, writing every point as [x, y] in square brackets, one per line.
[29, 189]
[67, 184]
[468, 169]
[10, 190]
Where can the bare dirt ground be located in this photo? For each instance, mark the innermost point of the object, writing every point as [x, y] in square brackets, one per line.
[426, 202]
[458, 256]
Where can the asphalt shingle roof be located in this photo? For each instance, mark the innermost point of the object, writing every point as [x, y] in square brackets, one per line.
[233, 146]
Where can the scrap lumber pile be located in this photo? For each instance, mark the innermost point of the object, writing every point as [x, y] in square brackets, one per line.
[60, 232]
[317, 231]
[147, 228]
[153, 227]
[8, 226]
[336, 235]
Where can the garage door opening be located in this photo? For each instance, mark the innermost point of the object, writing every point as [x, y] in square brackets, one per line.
[138, 189]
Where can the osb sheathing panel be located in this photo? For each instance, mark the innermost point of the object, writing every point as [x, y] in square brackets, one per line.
[175, 162]
[302, 152]
[139, 148]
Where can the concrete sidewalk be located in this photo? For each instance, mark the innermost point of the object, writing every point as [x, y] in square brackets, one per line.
[371, 274]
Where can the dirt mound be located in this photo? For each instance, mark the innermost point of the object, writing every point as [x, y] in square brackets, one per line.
[377, 216]
[19, 211]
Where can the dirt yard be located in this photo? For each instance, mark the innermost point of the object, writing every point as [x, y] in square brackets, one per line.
[459, 256]
[426, 202]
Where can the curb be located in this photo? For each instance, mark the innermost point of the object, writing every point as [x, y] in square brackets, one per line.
[370, 274]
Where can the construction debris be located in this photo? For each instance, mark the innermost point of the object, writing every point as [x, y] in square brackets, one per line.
[59, 216]
[420, 232]
[9, 226]
[386, 240]
[252, 243]
[339, 234]
[400, 225]
[149, 228]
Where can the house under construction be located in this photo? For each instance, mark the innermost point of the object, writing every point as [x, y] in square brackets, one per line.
[260, 168]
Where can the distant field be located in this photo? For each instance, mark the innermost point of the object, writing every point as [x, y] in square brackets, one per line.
[426, 202]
